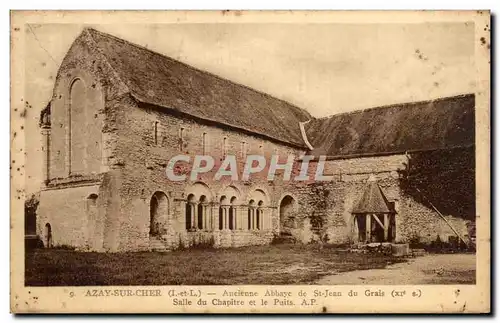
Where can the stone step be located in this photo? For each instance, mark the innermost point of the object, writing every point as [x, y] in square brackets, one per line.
[396, 249]
[156, 244]
[418, 252]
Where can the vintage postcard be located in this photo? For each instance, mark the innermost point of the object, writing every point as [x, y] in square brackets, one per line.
[250, 162]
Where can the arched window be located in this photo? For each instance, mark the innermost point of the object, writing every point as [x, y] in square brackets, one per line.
[153, 211]
[223, 213]
[197, 209]
[232, 214]
[251, 215]
[286, 213]
[244, 148]
[199, 220]
[224, 147]
[181, 139]
[188, 216]
[155, 133]
[48, 236]
[202, 205]
[190, 205]
[229, 214]
[76, 137]
[231, 218]
[221, 218]
[158, 213]
[92, 200]
[205, 143]
[259, 218]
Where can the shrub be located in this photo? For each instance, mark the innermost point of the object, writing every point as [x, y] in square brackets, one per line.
[205, 244]
[414, 241]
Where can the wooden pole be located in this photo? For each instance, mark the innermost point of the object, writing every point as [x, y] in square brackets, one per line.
[442, 217]
[386, 227]
[355, 232]
[368, 227]
[378, 220]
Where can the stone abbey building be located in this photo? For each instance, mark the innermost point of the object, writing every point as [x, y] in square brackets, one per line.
[120, 112]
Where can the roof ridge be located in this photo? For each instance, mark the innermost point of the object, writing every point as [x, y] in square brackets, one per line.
[90, 30]
[395, 105]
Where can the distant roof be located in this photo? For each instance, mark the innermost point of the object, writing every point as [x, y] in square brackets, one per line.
[372, 201]
[429, 125]
[159, 80]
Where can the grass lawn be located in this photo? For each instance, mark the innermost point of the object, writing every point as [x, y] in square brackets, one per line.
[273, 264]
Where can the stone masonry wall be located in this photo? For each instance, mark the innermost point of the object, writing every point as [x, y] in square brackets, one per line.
[144, 162]
[326, 206]
[67, 210]
[323, 209]
[86, 116]
[63, 199]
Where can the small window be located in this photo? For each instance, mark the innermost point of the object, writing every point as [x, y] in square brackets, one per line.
[181, 139]
[155, 133]
[224, 147]
[261, 149]
[204, 143]
[243, 149]
[92, 200]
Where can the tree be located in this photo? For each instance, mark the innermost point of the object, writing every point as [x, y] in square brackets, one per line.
[30, 209]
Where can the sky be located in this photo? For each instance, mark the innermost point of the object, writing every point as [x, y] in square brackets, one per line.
[322, 68]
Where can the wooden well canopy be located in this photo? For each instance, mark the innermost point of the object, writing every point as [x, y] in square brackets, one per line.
[374, 216]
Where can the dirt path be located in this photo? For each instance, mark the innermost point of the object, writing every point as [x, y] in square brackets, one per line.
[429, 269]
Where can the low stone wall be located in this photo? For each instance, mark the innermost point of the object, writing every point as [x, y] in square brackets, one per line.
[218, 239]
[67, 212]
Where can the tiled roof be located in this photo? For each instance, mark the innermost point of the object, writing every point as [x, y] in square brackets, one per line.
[373, 200]
[429, 125]
[159, 80]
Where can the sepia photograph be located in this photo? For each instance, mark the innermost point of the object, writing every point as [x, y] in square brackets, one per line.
[272, 153]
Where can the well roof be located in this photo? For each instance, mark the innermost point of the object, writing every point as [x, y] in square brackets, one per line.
[373, 200]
